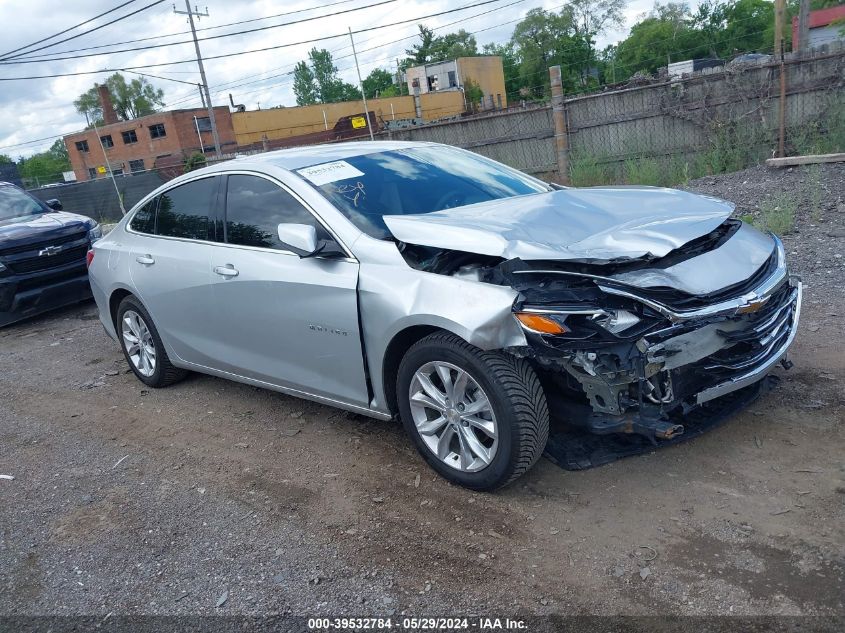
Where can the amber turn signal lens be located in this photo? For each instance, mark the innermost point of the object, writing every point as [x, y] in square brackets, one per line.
[540, 323]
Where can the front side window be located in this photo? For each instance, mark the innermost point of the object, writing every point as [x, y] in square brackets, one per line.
[15, 203]
[129, 137]
[414, 180]
[157, 130]
[144, 220]
[187, 211]
[254, 209]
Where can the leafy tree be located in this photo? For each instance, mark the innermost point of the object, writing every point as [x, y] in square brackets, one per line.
[473, 93]
[5, 159]
[379, 82]
[131, 100]
[433, 48]
[195, 161]
[316, 81]
[546, 39]
[591, 17]
[45, 167]
[304, 87]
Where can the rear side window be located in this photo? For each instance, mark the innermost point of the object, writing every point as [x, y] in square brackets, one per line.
[144, 220]
[254, 209]
[188, 210]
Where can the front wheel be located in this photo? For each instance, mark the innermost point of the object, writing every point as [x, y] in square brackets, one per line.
[142, 346]
[479, 418]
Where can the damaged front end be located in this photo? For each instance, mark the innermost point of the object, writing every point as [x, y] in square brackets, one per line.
[638, 305]
[640, 359]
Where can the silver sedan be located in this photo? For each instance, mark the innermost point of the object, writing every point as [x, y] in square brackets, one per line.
[428, 283]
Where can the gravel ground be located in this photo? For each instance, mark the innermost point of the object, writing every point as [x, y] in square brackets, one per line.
[212, 497]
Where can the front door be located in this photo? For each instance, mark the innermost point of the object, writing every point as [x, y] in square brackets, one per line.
[283, 319]
[170, 266]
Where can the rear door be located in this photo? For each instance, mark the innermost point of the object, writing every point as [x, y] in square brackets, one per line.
[170, 265]
[283, 319]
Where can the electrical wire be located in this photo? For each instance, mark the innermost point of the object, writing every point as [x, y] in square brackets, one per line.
[96, 28]
[248, 52]
[199, 39]
[75, 26]
[199, 30]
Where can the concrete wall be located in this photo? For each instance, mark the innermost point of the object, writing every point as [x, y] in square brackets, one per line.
[276, 123]
[489, 74]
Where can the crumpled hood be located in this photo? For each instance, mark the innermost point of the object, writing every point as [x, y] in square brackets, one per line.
[590, 224]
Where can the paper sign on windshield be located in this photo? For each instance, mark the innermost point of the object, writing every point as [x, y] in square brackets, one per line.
[329, 172]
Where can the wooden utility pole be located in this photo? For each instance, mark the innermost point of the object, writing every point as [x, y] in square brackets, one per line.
[559, 118]
[191, 13]
[780, 14]
[803, 26]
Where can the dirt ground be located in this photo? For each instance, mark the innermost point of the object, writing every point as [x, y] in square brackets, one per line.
[212, 497]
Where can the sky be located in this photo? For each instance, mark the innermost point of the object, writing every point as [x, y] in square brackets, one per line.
[43, 108]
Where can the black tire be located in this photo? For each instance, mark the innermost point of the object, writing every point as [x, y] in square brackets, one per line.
[516, 396]
[165, 372]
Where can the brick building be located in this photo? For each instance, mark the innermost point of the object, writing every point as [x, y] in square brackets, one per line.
[163, 138]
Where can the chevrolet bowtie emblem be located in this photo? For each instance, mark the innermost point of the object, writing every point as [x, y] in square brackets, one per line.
[753, 305]
[50, 250]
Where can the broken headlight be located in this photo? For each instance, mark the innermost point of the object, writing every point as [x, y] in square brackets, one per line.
[585, 323]
[616, 321]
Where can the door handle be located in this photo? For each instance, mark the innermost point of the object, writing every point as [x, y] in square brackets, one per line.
[147, 260]
[226, 271]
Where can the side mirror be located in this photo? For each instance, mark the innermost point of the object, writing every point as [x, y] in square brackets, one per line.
[54, 204]
[298, 238]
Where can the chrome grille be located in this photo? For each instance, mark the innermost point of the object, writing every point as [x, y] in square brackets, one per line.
[762, 334]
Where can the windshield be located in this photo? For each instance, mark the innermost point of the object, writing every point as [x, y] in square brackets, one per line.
[414, 180]
[15, 203]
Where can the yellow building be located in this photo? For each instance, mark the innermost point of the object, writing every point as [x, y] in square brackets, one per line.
[485, 71]
[279, 123]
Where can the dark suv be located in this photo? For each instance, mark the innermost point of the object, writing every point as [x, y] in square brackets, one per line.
[42, 255]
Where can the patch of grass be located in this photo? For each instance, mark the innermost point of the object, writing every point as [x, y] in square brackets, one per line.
[777, 214]
[642, 171]
[588, 171]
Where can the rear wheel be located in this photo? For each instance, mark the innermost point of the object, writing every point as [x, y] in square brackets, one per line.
[142, 346]
[479, 418]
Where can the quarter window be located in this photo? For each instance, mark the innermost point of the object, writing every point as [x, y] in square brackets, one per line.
[157, 130]
[188, 210]
[254, 209]
[129, 137]
[144, 219]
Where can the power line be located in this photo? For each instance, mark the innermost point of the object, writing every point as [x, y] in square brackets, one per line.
[234, 84]
[200, 39]
[96, 28]
[256, 50]
[75, 26]
[207, 28]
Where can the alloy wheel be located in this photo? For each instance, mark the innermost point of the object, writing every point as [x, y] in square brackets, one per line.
[453, 416]
[139, 344]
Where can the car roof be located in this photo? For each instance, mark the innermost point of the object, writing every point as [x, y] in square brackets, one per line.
[298, 157]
